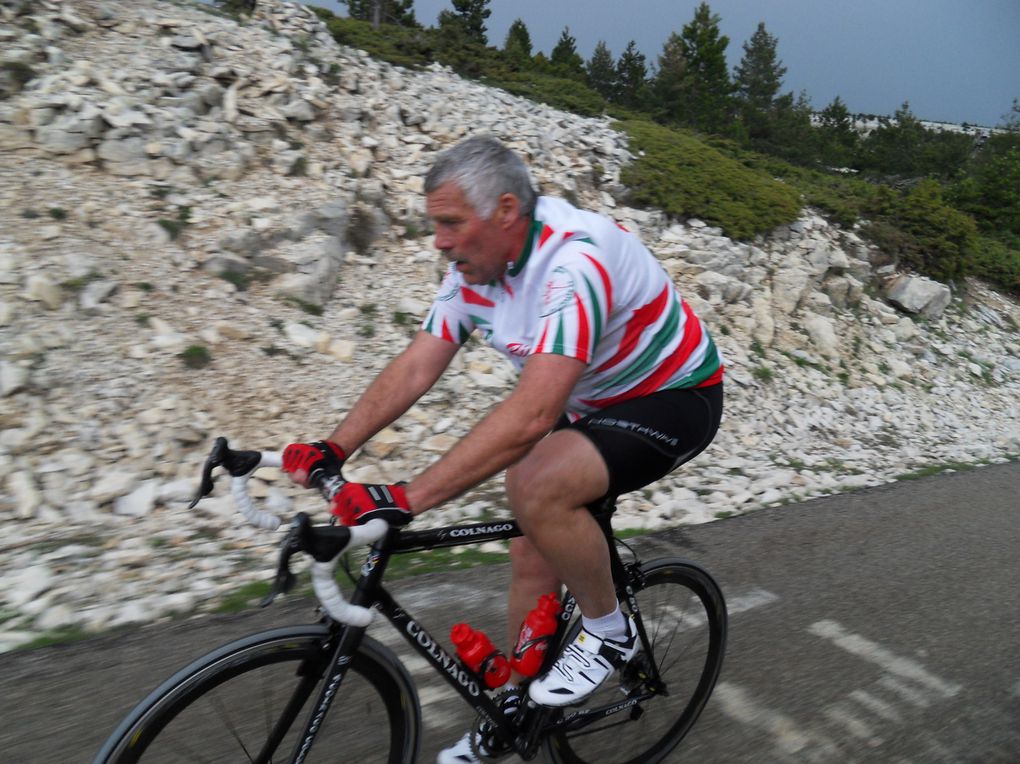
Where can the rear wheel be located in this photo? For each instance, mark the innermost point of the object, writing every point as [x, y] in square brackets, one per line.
[249, 701]
[684, 617]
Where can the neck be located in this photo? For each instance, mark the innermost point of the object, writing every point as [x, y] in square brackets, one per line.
[517, 237]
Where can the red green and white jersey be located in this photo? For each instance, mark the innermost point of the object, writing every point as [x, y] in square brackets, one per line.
[585, 288]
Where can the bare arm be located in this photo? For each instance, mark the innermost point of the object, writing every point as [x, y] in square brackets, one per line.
[404, 380]
[505, 434]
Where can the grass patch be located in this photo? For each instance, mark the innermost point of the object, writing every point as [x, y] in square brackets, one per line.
[175, 227]
[308, 307]
[60, 636]
[441, 560]
[245, 596]
[196, 357]
[762, 373]
[77, 284]
[938, 469]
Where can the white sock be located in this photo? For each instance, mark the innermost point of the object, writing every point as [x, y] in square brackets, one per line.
[612, 626]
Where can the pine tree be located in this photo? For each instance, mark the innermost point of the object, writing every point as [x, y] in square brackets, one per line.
[894, 147]
[791, 134]
[758, 79]
[397, 12]
[707, 89]
[668, 85]
[469, 16]
[517, 48]
[631, 76]
[565, 58]
[601, 71]
[837, 136]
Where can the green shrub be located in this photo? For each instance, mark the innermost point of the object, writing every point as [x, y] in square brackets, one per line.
[402, 46]
[926, 233]
[685, 177]
[196, 357]
[997, 263]
[558, 92]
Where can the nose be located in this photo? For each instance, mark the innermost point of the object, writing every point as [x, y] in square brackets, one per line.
[443, 240]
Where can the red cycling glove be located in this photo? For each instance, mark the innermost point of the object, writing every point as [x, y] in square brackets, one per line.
[357, 503]
[309, 464]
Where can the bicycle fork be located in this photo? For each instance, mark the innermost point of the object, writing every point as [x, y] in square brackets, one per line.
[338, 665]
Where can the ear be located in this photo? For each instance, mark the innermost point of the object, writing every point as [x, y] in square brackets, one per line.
[508, 210]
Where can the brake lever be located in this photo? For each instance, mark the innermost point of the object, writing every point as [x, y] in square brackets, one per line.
[215, 459]
[296, 540]
[237, 463]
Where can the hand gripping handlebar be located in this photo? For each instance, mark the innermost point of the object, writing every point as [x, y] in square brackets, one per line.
[325, 543]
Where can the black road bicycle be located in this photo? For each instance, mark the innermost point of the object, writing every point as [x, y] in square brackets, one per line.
[268, 697]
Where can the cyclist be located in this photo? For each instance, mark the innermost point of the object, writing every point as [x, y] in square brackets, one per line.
[619, 383]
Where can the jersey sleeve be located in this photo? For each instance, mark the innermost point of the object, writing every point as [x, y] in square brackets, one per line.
[574, 304]
[449, 317]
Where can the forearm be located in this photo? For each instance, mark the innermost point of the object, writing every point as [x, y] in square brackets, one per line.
[385, 400]
[505, 435]
[397, 387]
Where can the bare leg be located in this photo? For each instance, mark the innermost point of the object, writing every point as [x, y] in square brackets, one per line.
[530, 578]
[549, 490]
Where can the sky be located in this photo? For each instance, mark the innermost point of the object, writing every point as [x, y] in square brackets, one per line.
[952, 60]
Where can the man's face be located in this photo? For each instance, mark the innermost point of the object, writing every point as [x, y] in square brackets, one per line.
[480, 248]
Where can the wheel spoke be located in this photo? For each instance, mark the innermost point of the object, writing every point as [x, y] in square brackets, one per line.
[685, 643]
[246, 702]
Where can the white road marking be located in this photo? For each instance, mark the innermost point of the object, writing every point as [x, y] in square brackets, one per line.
[840, 714]
[908, 693]
[694, 617]
[754, 598]
[876, 705]
[737, 703]
[873, 652]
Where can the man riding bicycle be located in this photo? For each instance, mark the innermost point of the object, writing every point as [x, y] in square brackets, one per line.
[619, 384]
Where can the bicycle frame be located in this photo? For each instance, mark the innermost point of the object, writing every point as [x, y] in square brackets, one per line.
[370, 592]
[326, 652]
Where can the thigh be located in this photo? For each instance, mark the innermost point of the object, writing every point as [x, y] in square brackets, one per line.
[564, 468]
[643, 439]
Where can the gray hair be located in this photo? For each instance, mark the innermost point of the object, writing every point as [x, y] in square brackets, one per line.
[484, 169]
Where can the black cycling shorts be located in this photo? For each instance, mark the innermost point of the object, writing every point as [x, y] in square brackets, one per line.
[645, 438]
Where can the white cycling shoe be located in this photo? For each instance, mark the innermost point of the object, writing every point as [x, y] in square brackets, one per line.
[460, 752]
[582, 668]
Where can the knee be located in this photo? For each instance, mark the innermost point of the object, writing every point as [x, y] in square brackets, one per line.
[522, 491]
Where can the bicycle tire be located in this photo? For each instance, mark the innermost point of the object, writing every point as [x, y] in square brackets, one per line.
[235, 690]
[684, 614]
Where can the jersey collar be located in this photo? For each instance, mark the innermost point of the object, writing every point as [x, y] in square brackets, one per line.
[529, 245]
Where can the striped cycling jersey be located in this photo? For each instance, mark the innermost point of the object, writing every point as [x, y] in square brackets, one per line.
[585, 288]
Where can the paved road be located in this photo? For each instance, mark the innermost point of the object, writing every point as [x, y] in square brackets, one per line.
[880, 626]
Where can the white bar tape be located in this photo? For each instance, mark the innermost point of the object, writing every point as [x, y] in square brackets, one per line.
[324, 578]
[239, 490]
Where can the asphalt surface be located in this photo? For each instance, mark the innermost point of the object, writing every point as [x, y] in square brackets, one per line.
[878, 626]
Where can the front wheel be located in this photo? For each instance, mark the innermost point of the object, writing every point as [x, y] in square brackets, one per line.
[684, 617]
[249, 701]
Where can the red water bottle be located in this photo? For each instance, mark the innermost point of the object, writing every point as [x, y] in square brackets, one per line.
[536, 632]
[480, 655]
